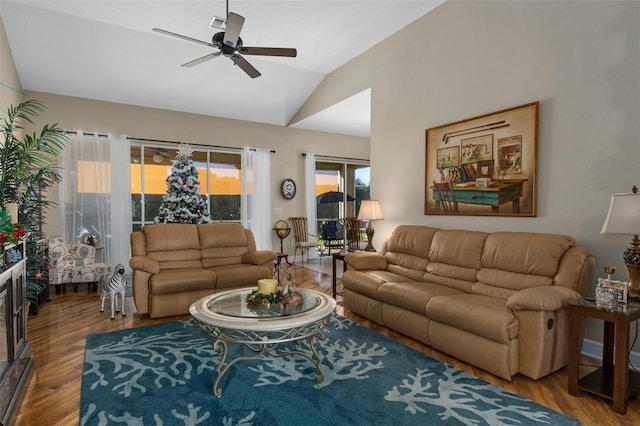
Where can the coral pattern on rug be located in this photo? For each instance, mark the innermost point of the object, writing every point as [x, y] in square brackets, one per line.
[163, 375]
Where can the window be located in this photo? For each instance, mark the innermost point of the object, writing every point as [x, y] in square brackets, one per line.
[218, 173]
[224, 181]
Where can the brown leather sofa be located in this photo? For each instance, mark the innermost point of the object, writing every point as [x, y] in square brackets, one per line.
[496, 300]
[176, 264]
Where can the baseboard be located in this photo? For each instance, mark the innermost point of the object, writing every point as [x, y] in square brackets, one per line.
[593, 348]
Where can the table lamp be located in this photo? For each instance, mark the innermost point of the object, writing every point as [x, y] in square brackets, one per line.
[623, 217]
[369, 211]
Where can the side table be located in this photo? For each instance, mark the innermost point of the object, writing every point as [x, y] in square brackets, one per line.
[338, 256]
[276, 264]
[613, 380]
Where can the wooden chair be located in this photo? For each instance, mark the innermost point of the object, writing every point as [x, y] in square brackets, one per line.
[445, 196]
[353, 233]
[301, 236]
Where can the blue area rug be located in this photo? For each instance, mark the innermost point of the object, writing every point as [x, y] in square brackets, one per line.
[163, 375]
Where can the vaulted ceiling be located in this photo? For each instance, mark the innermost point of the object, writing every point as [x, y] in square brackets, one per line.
[106, 50]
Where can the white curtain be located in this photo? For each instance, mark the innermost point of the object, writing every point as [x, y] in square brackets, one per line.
[256, 195]
[95, 194]
[310, 193]
[121, 203]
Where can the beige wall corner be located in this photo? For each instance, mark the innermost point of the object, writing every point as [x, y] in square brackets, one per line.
[11, 92]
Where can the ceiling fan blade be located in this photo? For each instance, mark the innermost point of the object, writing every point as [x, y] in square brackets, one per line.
[169, 33]
[234, 26]
[269, 51]
[202, 59]
[245, 65]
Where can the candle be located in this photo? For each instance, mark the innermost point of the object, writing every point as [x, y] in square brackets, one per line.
[267, 286]
[12, 211]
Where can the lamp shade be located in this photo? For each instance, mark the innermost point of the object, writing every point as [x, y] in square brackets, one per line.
[370, 210]
[623, 216]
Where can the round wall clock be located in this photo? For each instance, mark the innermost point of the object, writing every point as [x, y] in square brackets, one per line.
[288, 189]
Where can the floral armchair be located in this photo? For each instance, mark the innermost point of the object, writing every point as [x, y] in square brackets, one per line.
[74, 262]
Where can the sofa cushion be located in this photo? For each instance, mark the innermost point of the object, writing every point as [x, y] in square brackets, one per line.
[410, 239]
[498, 283]
[458, 248]
[455, 258]
[170, 237]
[181, 280]
[229, 276]
[412, 295]
[482, 315]
[525, 253]
[368, 282]
[222, 244]
[514, 261]
[407, 250]
[173, 245]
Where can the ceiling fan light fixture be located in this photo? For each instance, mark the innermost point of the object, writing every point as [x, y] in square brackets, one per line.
[218, 23]
[157, 158]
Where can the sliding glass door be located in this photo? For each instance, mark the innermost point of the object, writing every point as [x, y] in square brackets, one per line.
[351, 180]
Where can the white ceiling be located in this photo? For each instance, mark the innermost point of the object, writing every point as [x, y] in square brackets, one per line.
[106, 50]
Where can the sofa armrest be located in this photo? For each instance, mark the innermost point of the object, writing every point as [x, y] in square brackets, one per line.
[145, 263]
[546, 298]
[258, 257]
[366, 261]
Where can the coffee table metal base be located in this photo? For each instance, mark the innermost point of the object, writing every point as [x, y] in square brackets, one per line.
[265, 342]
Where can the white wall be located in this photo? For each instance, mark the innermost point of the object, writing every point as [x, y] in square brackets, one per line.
[10, 88]
[580, 60]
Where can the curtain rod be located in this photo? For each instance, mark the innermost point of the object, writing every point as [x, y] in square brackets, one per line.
[75, 132]
[273, 151]
[304, 154]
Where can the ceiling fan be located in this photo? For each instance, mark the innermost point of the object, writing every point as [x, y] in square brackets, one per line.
[159, 154]
[229, 44]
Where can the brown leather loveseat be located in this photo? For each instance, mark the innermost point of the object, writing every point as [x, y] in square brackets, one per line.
[176, 264]
[497, 301]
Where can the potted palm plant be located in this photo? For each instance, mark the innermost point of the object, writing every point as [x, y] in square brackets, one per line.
[27, 163]
[27, 170]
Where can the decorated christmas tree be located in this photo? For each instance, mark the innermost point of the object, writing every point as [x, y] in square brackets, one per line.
[183, 203]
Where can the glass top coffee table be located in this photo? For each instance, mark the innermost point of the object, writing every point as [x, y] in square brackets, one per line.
[228, 318]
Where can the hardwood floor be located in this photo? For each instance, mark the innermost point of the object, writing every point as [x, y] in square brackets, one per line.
[58, 334]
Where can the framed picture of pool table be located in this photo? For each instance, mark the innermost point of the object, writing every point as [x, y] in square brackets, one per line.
[500, 146]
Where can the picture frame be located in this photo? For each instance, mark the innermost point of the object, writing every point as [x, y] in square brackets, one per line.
[500, 146]
[448, 157]
[509, 155]
[618, 290]
[477, 149]
[484, 169]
